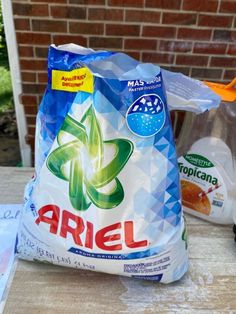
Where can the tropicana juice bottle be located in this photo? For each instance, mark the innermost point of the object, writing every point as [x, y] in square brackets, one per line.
[207, 162]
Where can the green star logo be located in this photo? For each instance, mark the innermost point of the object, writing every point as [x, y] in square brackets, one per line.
[89, 163]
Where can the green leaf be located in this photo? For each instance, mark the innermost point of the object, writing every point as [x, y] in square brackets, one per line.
[95, 143]
[76, 191]
[81, 150]
[106, 200]
[60, 156]
[123, 151]
[72, 127]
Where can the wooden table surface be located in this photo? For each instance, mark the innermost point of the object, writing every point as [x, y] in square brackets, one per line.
[208, 287]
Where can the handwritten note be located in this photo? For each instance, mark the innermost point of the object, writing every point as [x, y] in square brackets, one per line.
[9, 221]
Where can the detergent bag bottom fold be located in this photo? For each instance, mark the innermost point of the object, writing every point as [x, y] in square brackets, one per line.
[105, 195]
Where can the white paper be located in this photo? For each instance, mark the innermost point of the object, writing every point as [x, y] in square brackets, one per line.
[9, 221]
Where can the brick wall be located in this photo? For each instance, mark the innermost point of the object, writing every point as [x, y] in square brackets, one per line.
[196, 37]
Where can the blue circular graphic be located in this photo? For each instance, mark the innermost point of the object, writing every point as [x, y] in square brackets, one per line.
[146, 116]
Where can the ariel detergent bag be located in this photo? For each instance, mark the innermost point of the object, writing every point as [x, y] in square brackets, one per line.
[105, 195]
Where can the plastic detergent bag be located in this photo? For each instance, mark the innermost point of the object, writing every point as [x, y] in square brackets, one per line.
[106, 195]
[57, 102]
[187, 94]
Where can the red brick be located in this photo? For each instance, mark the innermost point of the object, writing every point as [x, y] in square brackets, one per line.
[226, 62]
[31, 130]
[86, 2]
[122, 30]
[30, 110]
[215, 20]
[191, 60]
[203, 73]
[164, 4]
[134, 54]
[28, 100]
[228, 6]
[159, 58]
[40, 98]
[105, 42]
[177, 118]
[175, 46]
[192, 33]
[30, 9]
[31, 120]
[138, 44]
[142, 16]
[126, 3]
[68, 12]
[29, 64]
[22, 24]
[209, 48]
[229, 75]
[105, 14]
[86, 28]
[231, 50]
[28, 76]
[224, 35]
[184, 70]
[200, 5]
[164, 49]
[159, 31]
[30, 139]
[179, 18]
[25, 51]
[33, 38]
[65, 39]
[49, 26]
[50, 1]
[33, 88]
[43, 77]
[41, 52]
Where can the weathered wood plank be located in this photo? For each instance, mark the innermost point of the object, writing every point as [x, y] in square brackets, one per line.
[45, 288]
[12, 182]
[209, 286]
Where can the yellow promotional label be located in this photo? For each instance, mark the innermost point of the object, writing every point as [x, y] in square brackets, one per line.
[73, 81]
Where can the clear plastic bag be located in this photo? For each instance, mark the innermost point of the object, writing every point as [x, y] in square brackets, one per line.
[207, 145]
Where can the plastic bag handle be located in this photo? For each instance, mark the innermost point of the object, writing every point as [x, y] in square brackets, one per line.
[226, 92]
[231, 84]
